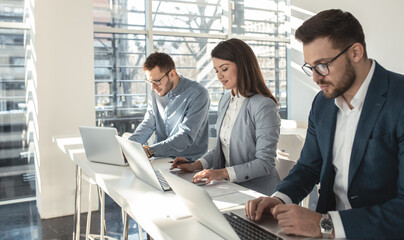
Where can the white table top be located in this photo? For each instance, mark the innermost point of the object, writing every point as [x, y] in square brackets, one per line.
[161, 214]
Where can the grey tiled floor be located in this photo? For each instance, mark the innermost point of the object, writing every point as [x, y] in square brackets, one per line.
[21, 221]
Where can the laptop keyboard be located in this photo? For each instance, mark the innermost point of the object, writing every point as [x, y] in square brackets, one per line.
[247, 230]
[162, 180]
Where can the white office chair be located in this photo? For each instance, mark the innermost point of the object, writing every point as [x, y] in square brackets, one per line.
[302, 124]
[289, 148]
[291, 144]
[285, 123]
[283, 165]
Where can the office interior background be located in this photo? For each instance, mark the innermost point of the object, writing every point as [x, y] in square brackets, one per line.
[69, 63]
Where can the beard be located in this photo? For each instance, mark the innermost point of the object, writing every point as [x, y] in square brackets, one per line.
[344, 84]
[168, 87]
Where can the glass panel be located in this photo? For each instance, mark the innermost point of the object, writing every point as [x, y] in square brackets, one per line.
[121, 95]
[192, 59]
[17, 176]
[272, 60]
[191, 16]
[12, 11]
[260, 18]
[120, 90]
[119, 14]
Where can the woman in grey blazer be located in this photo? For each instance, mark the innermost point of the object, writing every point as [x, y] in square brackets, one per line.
[248, 124]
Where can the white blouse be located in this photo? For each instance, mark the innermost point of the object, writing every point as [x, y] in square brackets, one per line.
[225, 131]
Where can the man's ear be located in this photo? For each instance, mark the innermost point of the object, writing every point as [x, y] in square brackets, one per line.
[356, 53]
[173, 73]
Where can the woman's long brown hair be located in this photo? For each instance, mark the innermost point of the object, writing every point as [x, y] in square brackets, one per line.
[249, 75]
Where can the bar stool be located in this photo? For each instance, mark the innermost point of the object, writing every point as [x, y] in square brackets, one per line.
[101, 195]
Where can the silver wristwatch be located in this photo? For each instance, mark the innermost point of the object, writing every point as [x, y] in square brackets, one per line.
[326, 226]
[151, 151]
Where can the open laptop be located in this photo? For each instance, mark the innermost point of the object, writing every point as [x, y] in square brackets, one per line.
[100, 145]
[229, 225]
[141, 165]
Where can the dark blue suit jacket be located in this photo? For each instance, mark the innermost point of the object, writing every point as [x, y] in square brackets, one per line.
[376, 170]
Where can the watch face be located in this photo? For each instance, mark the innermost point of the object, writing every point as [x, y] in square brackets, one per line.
[326, 224]
[151, 151]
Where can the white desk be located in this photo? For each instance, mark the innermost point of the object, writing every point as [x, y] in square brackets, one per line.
[155, 211]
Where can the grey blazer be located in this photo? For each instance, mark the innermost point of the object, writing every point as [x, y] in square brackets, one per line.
[253, 143]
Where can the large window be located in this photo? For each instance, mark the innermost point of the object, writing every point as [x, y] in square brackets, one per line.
[126, 32]
[17, 178]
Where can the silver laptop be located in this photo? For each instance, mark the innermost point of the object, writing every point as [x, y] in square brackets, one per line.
[100, 145]
[201, 206]
[141, 165]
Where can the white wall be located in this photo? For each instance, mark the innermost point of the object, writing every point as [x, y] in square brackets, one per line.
[63, 43]
[382, 23]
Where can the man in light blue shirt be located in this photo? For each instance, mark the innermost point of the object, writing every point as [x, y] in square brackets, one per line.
[177, 111]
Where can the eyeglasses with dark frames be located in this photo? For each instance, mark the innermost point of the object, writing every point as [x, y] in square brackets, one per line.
[156, 82]
[322, 68]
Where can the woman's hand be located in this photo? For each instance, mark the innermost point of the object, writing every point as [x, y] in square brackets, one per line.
[185, 165]
[211, 174]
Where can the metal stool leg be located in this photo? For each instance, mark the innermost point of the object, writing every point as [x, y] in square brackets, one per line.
[140, 232]
[77, 205]
[125, 220]
[148, 237]
[89, 212]
[102, 210]
[103, 227]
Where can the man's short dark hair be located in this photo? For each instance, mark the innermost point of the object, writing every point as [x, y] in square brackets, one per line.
[342, 28]
[159, 59]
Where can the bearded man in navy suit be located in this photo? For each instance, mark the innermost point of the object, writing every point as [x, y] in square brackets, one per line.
[354, 145]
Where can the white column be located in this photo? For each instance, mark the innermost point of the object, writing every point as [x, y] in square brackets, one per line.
[64, 62]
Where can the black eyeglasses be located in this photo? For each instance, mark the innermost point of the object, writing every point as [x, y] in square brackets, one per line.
[156, 82]
[322, 68]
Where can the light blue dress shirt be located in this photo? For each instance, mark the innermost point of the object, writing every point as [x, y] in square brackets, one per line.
[180, 120]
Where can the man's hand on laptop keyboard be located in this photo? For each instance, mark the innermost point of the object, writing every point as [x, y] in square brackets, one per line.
[254, 208]
[297, 220]
[292, 218]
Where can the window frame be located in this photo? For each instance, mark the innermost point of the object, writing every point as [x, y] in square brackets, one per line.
[150, 33]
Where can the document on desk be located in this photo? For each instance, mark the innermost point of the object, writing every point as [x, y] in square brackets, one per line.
[238, 198]
[223, 195]
[226, 195]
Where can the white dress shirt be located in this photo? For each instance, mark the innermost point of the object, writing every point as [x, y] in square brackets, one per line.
[225, 133]
[347, 122]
